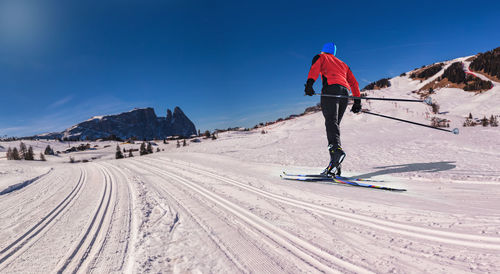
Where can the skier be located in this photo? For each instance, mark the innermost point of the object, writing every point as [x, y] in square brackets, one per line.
[337, 79]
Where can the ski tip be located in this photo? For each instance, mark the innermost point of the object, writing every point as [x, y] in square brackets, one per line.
[455, 131]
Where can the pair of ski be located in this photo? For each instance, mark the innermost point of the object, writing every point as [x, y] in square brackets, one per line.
[355, 182]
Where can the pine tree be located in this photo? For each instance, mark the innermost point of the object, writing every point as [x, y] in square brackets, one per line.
[48, 150]
[178, 144]
[30, 155]
[484, 121]
[493, 121]
[22, 150]
[207, 134]
[142, 150]
[42, 157]
[130, 153]
[119, 154]
[184, 143]
[150, 148]
[164, 141]
[9, 154]
[470, 115]
[15, 154]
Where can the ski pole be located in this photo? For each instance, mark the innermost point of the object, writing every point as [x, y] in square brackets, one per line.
[454, 131]
[427, 100]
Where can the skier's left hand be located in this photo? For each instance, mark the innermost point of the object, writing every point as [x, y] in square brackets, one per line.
[357, 106]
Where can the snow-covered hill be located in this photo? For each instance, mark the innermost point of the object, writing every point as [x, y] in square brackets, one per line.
[455, 103]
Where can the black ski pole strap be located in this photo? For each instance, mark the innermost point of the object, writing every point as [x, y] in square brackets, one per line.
[454, 131]
[428, 100]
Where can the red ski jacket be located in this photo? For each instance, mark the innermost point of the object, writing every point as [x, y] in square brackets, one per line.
[333, 71]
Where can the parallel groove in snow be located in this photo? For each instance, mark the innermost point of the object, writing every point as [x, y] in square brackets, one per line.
[20, 242]
[128, 249]
[167, 193]
[286, 239]
[107, 195]
[447, 237]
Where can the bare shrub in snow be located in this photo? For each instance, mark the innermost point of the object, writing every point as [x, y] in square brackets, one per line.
[435, 108]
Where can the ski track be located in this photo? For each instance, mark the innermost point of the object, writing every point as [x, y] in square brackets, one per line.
[78, 258]
[35, 190]
[165, 193]
[307, 252]
[433, 235]
[125, 235]
[7, 255]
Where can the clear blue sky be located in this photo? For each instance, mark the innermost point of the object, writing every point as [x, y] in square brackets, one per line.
[225, 63]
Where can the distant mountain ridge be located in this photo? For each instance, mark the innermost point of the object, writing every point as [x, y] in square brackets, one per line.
[139, 123]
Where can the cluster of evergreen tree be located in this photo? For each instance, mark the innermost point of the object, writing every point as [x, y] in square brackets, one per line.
[492, 121]
[488, 62]
[477, 84]
[455, 73]
[382, 83]
[23, 153]
[428, 72]
[145, 149]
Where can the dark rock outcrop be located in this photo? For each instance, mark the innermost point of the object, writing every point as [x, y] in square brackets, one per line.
[138, 123]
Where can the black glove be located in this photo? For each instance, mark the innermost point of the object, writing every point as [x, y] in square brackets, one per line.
[357, 106]
[309, 87]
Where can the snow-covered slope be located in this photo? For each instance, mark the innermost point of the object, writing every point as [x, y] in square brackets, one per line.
[220, 206]
[455, 103]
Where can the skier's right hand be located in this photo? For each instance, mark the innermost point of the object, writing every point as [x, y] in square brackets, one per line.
[309, 90]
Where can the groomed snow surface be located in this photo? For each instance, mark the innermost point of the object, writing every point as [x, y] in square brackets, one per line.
[220, 206]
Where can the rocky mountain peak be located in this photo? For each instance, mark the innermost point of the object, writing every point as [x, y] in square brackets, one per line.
[140, 123]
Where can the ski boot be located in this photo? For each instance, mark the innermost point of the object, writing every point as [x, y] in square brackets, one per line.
[337, 155]
[339, 171]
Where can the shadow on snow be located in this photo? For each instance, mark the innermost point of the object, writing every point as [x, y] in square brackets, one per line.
[422, 167]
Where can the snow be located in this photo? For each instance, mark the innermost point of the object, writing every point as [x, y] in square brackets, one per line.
[219, 206]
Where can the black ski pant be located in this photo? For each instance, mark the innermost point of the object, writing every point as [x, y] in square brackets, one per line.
[333, 111]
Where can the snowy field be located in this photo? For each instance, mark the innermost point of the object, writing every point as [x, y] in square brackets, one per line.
[219, 206]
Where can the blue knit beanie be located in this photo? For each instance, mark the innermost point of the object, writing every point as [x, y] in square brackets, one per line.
[330, 48]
